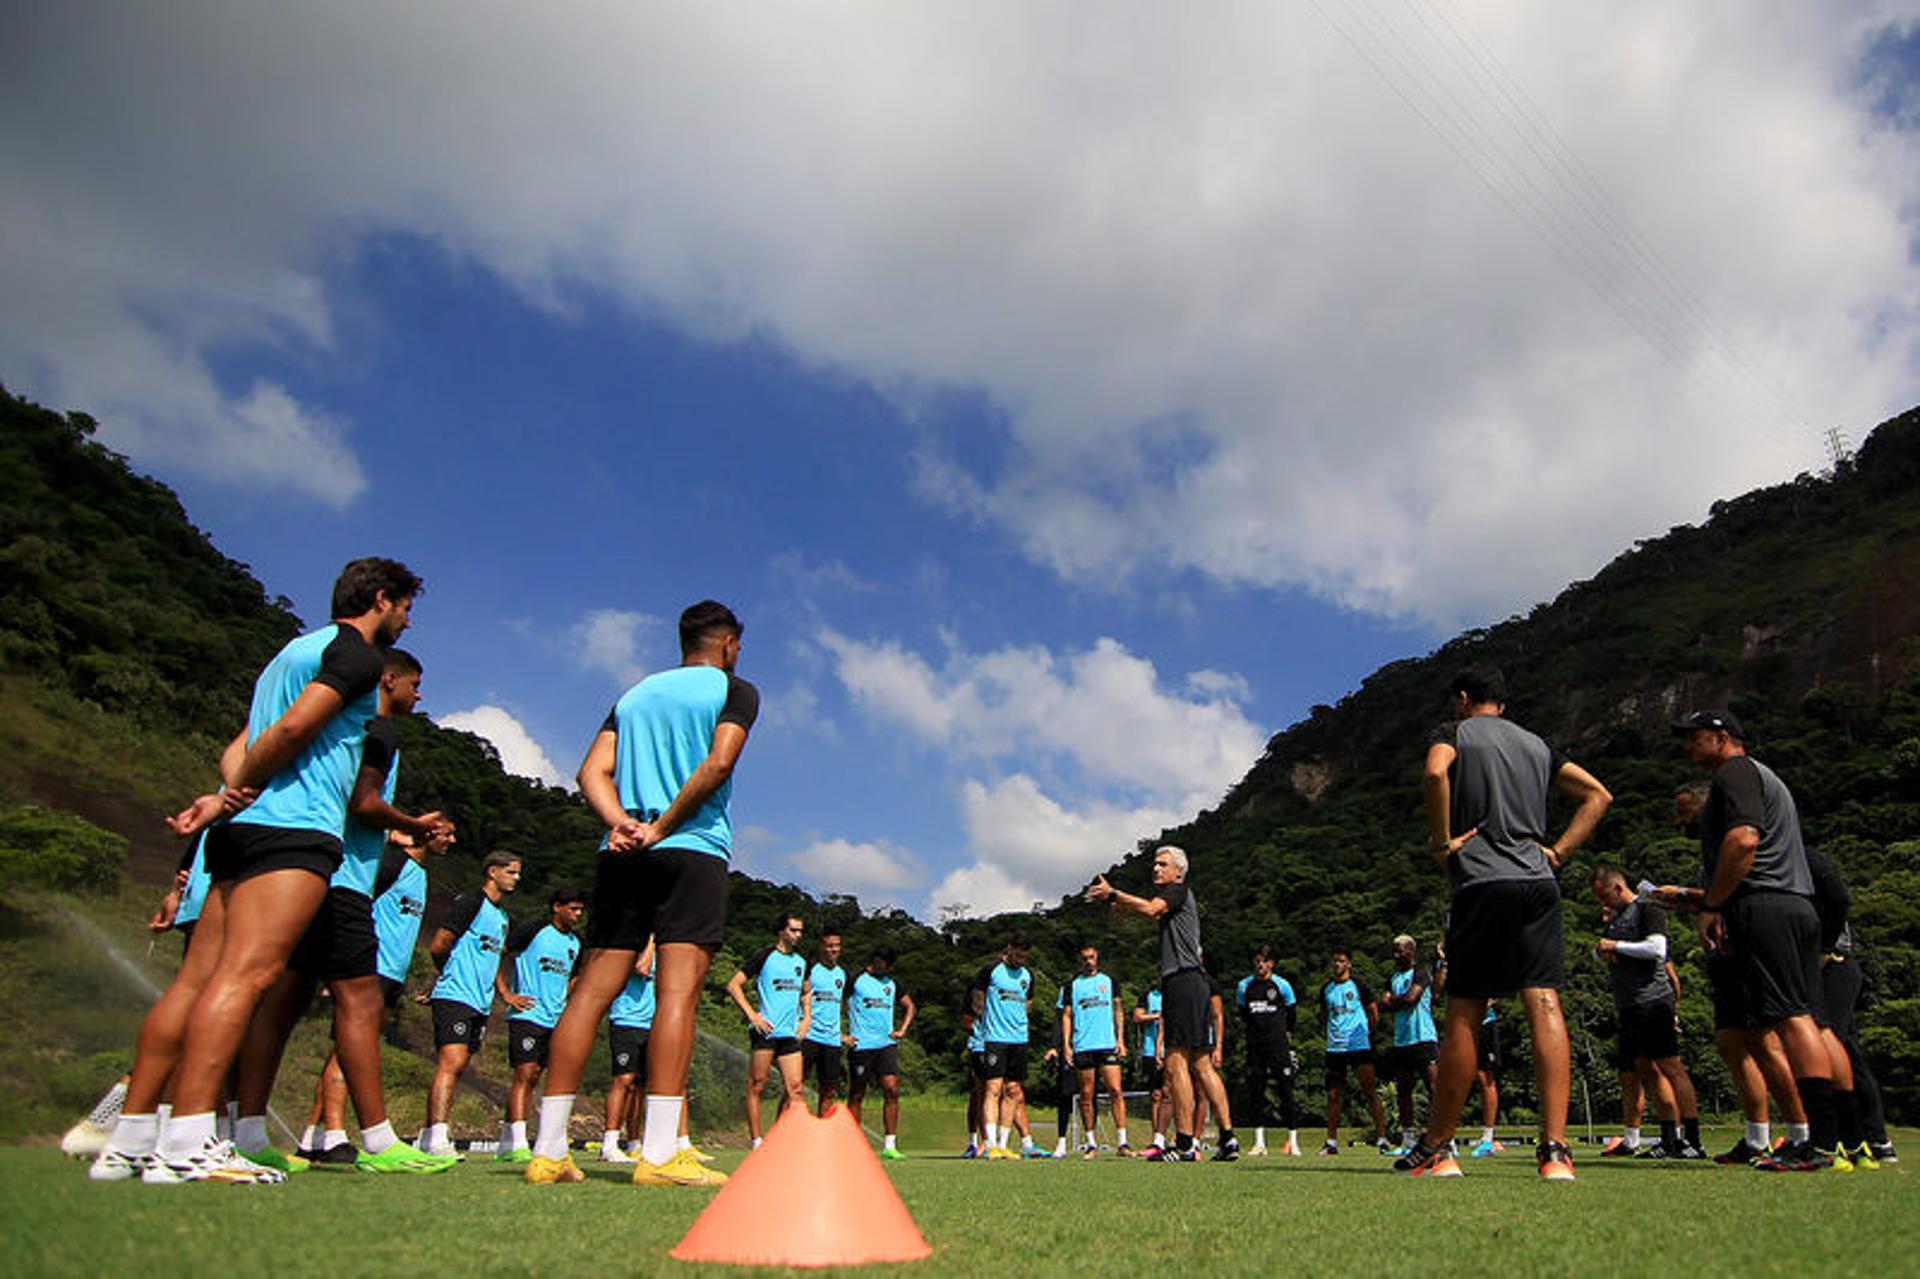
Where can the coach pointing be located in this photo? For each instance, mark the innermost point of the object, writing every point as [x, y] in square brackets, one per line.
[1185, 995]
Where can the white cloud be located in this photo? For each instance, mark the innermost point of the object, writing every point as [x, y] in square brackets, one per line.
[1242, 311]
[842, 866]
[520, 754]
[615, 641]
[1126, 756]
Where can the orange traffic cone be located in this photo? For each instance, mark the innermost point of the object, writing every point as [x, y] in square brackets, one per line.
[814, 1194]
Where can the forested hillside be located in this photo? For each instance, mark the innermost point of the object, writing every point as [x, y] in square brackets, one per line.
[1798, 606]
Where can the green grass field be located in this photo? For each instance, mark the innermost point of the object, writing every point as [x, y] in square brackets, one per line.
[1308, 1216]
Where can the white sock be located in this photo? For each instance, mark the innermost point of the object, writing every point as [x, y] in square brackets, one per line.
[338, 1137]
[136, 1134]
[250, 1133]
[1060, 1147]
[683, 1142]
[555, 1114]
[186, 1134]
[973, 1139]
[165, 1111]
[1759, 1136]
[1293, 1136]
[1486, 1135]
[1799, 1134]
[437, 1137]
[1259, 1137]
[1026, 1141]
[660, 1138]
[372, 1140]
[1160, 1139]
[610, 1140]
[312, 1137]
[993, 1135]
[513, 1133]
[1632, 1137]
[890, 1139]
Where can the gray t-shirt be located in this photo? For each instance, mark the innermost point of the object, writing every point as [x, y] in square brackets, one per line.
[1179, 929]
[1746, 792]
[1500, 777]
[1639, 982]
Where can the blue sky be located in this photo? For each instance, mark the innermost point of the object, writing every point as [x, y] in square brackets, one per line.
[1064, 410]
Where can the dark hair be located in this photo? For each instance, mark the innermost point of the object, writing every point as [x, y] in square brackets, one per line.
[1483, 685]
[1093, 946]
[564, 893]
[400, 662]
[498, 858]
[780, 920]
[1020, 941]
[884, 953]
[701, 621]
[1261, 952]
[1338, 951]
[1609, 873]
[362, 580]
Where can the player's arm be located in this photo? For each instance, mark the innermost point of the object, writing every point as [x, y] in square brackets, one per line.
[287, 736]
[440, 946]
[806, 1006]
[1066, 1026]
[1293, 1006]
[906, 1018]
[1119, 1027]
[1737, 849]
[506, 974]
[1216, 1007]
[737, 990]
[1673, 979]
[1125, 903]
[369, 807]
[1594, 799]
[602, 793]
[1436, 785]
[729, 739]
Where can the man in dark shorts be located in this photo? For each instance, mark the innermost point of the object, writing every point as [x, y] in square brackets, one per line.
[1487, 1072]
[1416, 1044]
[976, 1051]
[466, 949]
[1351, 1014]
[629, 1018]
[1756, 906]
[1486, 783]
[546, 957]
[1093, 1043]
[779, 977]
[1001, 994]
[1192, 1060]
[1153, 1063]
[292, 768]
[1267, 1010]
[821, 1049]
[1633, 944]
[873, 1039]
[659, 774]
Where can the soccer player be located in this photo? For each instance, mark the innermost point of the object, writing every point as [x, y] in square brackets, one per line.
[1001, 994]
[466, 950]
[660, 775]
[1093, 1032]
[1153, 1068]
[1416, 1046]
[1267, 1010]
[779, 976]
[1487, 1074]
[293, 767]
[874, 1038]
[976, 1050]
[1633, 943]
[1189, 1022]
[1486, 783]
[820, 1051]
[341, 948]
[1756, 906]
[1351, 1014]
[546, 955]
[399, 906]
[629, 1018]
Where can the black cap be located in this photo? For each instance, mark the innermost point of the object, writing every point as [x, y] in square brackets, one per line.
[1722, 721]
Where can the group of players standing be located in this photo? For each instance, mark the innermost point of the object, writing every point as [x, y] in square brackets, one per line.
[291, 892]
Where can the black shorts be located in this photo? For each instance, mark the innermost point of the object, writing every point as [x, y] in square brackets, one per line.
[1487, 1041]
[873, 1064]
[627, 1051]
[340, 942]
[455, 1023]
[1411, 1058]
[527, 1043]
[390, 992]
[823, 1062]
[1337, 1064]
[1648, 1030]
[668, 894]
[186, 935]
[781, 1045]
[241, 850]
[1774, 939]
[1504, 937]
[1839, 993]
[1723, 983]
[1094, 1058]
[1184, 1019]
[1006, 1061]
[977, 1066]
[1153, 1074]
